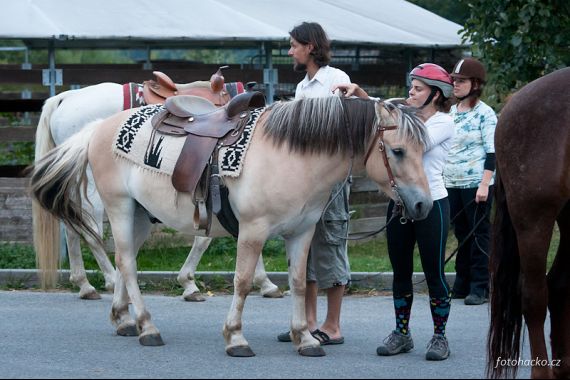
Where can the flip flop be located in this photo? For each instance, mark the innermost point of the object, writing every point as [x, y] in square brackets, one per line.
[325, 339]
[286, 337]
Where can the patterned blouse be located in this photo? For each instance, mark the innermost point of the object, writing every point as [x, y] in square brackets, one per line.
[474, 138]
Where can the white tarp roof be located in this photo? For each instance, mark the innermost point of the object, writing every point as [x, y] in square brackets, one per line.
[92, 23]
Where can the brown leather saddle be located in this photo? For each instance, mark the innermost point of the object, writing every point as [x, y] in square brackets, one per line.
[157, 91]
[207, 128]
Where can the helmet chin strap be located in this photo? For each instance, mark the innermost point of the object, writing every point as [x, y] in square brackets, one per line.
[430, 97]
[462, 98]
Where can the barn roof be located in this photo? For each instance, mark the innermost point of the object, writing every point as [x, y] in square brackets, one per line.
[231, 23]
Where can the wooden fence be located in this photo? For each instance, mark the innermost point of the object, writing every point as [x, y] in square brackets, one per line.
[15, 204]
[16, 210]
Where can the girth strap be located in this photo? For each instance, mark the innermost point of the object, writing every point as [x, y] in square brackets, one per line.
[226, 216]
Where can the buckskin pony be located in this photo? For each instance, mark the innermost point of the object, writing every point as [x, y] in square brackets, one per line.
[69, 112]
[532, 143]
[298, 151]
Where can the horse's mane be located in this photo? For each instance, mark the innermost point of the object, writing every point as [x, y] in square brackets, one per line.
[410, 126]
[322, 125]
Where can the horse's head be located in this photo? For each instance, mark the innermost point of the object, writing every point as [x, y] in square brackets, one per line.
[394, 158]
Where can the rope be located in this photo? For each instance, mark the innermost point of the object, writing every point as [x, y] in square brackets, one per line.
[466, 238]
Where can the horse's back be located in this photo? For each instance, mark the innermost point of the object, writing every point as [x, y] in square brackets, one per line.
[533, 136]
[539, 108]
[83, 106]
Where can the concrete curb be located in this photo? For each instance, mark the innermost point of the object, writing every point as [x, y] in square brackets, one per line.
[380, 280]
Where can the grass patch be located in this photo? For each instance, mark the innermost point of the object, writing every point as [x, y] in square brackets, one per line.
[371, 256]
[17, 256]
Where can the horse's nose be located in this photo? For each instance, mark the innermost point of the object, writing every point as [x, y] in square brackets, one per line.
[421, 209]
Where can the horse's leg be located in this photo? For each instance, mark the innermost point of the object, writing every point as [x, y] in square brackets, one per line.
[297, 252]
[533, 240]
[186, 276]
[77, 275]
[104, 263]
[93, 207]
[267, 288]
[249, 246]
[99, 253]
[120, 316]
[559, 300]
[96, 209]
[131, 226]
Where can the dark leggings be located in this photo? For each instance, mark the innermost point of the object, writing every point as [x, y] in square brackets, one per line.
[472, 261]
[431, 236]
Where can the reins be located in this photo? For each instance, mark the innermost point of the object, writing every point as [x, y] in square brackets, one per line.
[470, 232]
[466, 238]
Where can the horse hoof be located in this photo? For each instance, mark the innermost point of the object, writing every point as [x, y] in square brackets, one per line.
[88, 292]
[276, 293]
[151, 340]
[194, 297]
[90, 296]
[312, 351]
[240, 352]
[129, 329]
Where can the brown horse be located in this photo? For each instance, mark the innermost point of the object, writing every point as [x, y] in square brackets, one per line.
[532, 142]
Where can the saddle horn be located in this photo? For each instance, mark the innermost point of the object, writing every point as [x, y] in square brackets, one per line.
[217, 80]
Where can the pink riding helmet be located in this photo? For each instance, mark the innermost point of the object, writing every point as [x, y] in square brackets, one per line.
[434, 75]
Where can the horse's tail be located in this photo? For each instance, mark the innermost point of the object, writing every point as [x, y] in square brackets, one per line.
[506, 305]
[55, 185]
[45, 226]
[44, 141]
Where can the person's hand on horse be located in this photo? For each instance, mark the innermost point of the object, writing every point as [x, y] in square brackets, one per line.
[350, 89]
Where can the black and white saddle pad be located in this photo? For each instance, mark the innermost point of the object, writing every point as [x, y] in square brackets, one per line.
[132, 143]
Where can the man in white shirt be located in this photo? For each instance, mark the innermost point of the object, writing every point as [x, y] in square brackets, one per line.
[327, 265]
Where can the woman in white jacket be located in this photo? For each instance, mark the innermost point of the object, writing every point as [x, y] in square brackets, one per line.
[430, 92]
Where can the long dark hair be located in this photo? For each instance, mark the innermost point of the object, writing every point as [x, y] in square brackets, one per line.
[475, 93]
[442, 103]
[313, 33]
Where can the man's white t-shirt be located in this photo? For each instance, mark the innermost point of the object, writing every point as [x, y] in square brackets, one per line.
[321, 84]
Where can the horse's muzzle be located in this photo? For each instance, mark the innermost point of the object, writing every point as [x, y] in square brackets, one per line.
[417, 203]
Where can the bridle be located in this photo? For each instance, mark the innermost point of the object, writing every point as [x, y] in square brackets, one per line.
[399, 207]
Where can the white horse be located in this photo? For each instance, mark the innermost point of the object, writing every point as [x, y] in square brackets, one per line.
[298, 151]
[66, 114]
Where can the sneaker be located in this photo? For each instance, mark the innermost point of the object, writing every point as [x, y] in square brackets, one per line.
[395, 343]
[438, 348]
[474, 299]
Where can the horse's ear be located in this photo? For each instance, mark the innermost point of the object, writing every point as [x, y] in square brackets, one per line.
[382, 112]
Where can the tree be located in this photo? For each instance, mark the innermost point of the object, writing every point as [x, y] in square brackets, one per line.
[518, 40]
[454, 11]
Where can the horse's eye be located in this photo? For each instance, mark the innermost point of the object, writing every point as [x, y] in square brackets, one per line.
[398, 152]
